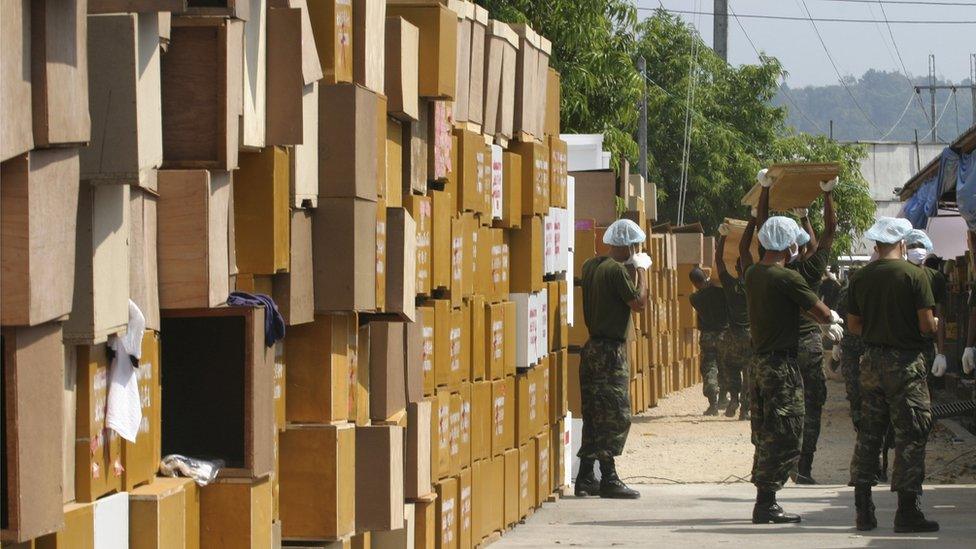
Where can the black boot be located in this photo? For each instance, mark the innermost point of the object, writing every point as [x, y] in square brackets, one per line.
[803, 475]
[586, 483]
[733, 407]
[744, 413]
[768, 511]
[724, 400]
[611, 486]
[909, 517]
[712, 409]
[864, 506]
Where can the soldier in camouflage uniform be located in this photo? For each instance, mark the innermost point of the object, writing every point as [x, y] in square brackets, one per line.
[613, 288]
[776, 296]
[812, 266]
[713, 319]
[737, 348]
[889, 303]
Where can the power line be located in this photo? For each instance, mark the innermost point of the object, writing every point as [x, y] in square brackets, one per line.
[823, 19]
[906, 2]
[836, 70]
[904, 70]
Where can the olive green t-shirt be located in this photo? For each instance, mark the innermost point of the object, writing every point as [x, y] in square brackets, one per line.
[776, 296]
[735, 300]
[607, 289]
[709, 303]
[812, 270]
[887, 294]
[938, 282]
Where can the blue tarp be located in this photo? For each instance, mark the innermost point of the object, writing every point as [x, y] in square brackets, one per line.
[925, 202]
[966, 188]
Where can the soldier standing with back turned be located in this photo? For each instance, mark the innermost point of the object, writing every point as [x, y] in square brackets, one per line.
[713, 319]
[613, 288]
[890, 303]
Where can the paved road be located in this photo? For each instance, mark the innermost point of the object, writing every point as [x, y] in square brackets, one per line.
[717, 515]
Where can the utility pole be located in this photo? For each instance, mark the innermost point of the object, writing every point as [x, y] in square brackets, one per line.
[972, 83]
[720, 29]
[932, 88]
[642, 124]
[935, 132]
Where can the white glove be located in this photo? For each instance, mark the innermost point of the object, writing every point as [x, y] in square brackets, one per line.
[827, 186]
[835, 318]
[800, 212]
[836, 353]
[969, 360]
[763, 179]
[641, 261]
[723, 229]
[834, 332]
[939, 366]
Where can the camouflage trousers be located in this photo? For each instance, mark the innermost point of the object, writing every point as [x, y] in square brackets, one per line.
[736, 355]
[852, 348]
[777, 418]
[605, 395]
[810, 360]
[710, 344]
[893, 389]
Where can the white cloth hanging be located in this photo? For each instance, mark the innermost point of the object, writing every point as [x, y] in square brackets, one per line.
[124, 408]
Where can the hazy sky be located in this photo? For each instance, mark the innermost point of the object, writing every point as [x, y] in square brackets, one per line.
[855, 47]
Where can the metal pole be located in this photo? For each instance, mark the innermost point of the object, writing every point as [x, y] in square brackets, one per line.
[831, 129]
[642, 128]
[972, 82]
[720, 29]
[935, 138]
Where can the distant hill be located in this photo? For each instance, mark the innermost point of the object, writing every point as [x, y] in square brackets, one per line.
[883, 96]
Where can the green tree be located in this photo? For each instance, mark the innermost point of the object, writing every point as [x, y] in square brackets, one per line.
[593, 49]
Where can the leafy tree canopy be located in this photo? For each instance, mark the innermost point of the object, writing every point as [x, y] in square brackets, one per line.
[736, 126]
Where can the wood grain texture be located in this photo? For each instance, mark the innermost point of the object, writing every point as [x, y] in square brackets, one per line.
[38, 209]
[369, 43]
[236, 514]
[59, 72]
[16, 132]
[261, 213]
[400, 81]
[794, 185]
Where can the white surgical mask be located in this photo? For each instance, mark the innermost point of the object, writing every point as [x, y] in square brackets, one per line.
[917, 255]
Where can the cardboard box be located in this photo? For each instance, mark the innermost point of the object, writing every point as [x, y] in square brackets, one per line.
[158, 515]
[417, 463]
[143, 255]
[596, 196]
[344, 227]
[278, 391]
[527, 256]
[456, 338]
[425, 524]
[428, 359]
[481, 420]
[379, 477]
[401, 538]
[479, 27]
[304, 173]
[529, 326]
[39, 206]
[285, 80]
[462, 72]
[332, 25]
[100, 306]
[454, 425]
[318, 481]
[413, 348]
[483, 274]
[494, 340]
[512, 207]
[464, 508]
[472, 161]
[558, 167]
[231, 341]
[140, 459]
[255, 75]
[98, 450]
[261, 211]
[16, 133]
[393, 184]
[440, 445]
[402, 59]
[493, 495]
[127, 135]
[200, 62]
[292, 290]
[553, 96]
[447, 515]
[360, 400]
[503, 397]
[441, 148]
[512, 481]
[573, 396]
[689, 248]
[504, 127]
[443, 324]
[527, 478]
[33, 391]
[438, 28]
[386, 370]
[420, 210]
[526, 83]
[236, 513]
[415, 161]
[528, 394]
[476, 333]
[369, 50]
[543, 478]
[795, 185]
[318, 370]
[380, 265]
[535, 177]
[465, 395]
[511, 328]
[348, 141]
[401, 263]
[111, 521]
[78, 531]
[500, 265]
[441, 243]
[193, 271]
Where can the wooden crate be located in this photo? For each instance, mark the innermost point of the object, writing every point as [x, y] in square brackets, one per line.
[331, 22]
[203, 61]
[795, 185]
[400, 80]
[16, 132]
[261, 212]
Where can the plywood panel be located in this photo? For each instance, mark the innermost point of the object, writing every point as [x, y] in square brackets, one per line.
[305, 157]
[124, 99]
[16, 132]
[794, 185]
[38, 208]
[135, 6]
[369, 43]
[476, 80]
[202, 93]
[261, 214]
[331, 22]
[293, 291]
[255, 75]
[438, 46]
[143, 266]
[59, 72]
[285, 80]
[101, 298]
[400, 81]
[193, 217]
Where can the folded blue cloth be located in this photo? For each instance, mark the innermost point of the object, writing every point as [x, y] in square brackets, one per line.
[274, 324]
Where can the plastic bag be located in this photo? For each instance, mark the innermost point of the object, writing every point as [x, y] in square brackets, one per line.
[202, 471]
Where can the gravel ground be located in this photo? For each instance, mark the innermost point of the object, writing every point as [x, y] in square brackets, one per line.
[674, 443]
